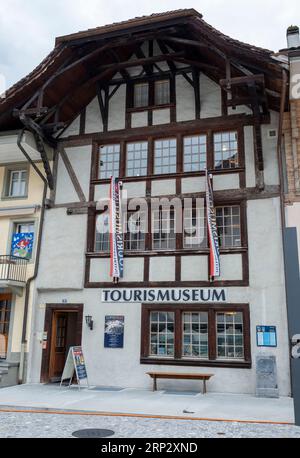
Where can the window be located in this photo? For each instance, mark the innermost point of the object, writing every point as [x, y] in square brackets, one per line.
[165, 156]
[195, 228]
[195, 334]
[226, 150]
[137, 154]
[5, 311]
[163, 229]
[23, 240]
[162, 334]
[162, 92]
[194, 150]
[205, 334]
[141, 95]
[135, 232]
[229, 226]
[17, 183]
[230, 335]
[102, 234]
[24, 228]
[109, 163]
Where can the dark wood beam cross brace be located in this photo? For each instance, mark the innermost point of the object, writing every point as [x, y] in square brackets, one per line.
[40, 137]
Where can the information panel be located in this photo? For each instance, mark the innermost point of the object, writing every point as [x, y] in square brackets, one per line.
[266, 336]
[114, 331]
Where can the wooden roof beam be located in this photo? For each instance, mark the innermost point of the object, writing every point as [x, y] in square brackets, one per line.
[164, 50]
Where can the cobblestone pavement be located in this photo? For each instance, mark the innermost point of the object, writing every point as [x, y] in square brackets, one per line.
[37, 425]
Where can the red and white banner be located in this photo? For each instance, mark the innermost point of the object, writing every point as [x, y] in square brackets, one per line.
[213, 238]
[116, 230]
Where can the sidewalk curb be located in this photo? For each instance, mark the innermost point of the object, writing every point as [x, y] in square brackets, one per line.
[33, 410]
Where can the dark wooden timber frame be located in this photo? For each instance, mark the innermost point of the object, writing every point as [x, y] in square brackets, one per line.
[212, 360]
[50, 310]
[222, 198]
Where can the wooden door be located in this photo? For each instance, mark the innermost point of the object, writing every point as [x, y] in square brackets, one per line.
[63, 329]
[63, 337]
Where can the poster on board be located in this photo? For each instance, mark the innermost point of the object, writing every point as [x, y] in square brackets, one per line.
[114, 331]
[75, 363]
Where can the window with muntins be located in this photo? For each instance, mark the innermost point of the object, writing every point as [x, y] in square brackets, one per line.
[141, 95]
[194, 228]
[195, 334]
[102, 236]
[163, 229]
[194, 151]
[226, 150]
[199, 333]
[17, 183]
[230, 335]
[135, 235]
[109, 161]
[162, 334]
[165, 156]
[162, 92]
[136, 159]
[229, 226]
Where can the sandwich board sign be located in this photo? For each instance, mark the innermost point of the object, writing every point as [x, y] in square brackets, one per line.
[75, 362]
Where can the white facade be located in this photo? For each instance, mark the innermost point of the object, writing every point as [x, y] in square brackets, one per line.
[61, 276]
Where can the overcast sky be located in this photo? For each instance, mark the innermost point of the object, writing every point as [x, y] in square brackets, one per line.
[28, 27]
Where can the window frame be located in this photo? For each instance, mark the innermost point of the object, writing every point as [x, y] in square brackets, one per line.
[13, 228]
[238, 141]
[179, 245]
[140, 159]
[7, 299]
[151, 93]
[179, 136]
[98, 163]
[9, 170]
[179, 359]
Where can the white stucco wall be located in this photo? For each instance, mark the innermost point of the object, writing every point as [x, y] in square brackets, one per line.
[62, 267]
[93, 118]
[210, 96]
[185, 99]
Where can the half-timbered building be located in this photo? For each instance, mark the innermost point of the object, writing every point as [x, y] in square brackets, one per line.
[155, 101]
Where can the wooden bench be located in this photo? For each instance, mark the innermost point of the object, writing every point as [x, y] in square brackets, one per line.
[170, 375]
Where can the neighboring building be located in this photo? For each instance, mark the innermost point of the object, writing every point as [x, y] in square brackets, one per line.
[291, 134]
[154, 101]
[20, 211]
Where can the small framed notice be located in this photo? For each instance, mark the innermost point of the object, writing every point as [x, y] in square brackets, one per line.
[266, 336]
[114, 331]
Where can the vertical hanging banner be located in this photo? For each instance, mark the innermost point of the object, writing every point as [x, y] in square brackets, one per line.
[213, 238]
[116, 231]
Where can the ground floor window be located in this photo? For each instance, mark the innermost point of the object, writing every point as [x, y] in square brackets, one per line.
[199, 334]
[5, 312]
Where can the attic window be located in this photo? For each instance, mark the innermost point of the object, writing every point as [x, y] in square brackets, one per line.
[162, 92]
[141, 95]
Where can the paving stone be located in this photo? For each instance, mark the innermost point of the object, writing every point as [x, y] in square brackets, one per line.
[36, 425]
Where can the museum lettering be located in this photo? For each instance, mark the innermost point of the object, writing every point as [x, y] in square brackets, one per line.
[164, 295]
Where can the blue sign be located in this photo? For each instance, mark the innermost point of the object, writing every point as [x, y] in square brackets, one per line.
[114, 332]
[22, 245]
[266, 336]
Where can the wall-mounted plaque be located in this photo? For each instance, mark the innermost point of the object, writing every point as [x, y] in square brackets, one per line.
[266, 336]
[114, 331]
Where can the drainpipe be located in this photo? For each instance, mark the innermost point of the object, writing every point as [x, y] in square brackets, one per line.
[37, 259]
